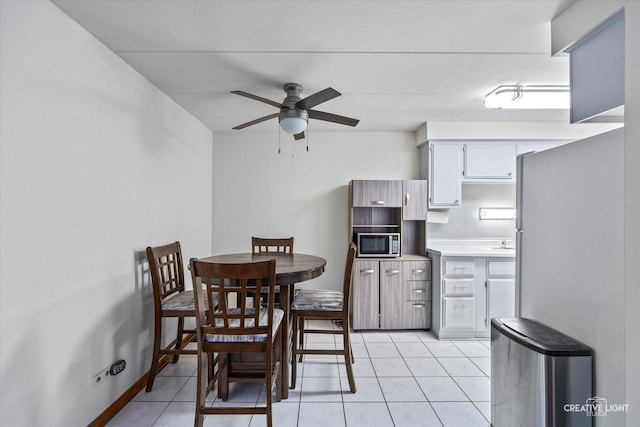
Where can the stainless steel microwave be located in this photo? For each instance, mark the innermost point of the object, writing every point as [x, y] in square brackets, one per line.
[378, 244]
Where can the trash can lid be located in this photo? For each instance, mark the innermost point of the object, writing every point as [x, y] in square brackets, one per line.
[540, 337]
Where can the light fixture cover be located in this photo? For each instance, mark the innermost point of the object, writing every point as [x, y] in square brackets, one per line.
[293, 125]
[293, 120]
[496, 213]
[528, 97]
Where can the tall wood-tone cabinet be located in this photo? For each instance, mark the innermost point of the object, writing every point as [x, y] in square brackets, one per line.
[391, 293]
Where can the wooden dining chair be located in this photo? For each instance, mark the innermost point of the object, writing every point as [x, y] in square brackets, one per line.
[324, 304]
[237, 325]
[261, 245]
[170, 299]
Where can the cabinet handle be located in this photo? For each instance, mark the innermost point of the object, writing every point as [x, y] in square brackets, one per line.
[390, 272]
[510, 174]
[378, 202]
[367, 271]
[419, 271]
[406, 199]
[418, 291]
[459, 268]
[418, 305]
[460, 306]
[459, 287]
[457, 202]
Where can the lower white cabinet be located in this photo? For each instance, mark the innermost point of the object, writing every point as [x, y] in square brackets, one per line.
[459, 313]
[391, 294]
[468, 292]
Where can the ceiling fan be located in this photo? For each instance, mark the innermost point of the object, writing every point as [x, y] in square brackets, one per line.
[295, 111]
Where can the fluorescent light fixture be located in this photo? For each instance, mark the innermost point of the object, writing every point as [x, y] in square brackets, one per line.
[497, 213]
[293, 120]
[528, 97]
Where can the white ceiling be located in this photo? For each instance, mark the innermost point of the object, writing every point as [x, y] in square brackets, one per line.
[397, 64]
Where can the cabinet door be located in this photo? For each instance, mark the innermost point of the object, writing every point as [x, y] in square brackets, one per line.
[414, 193]
[490, 161]
[380, 193]
[459, 313]
[445, 176]
[502, 298]
[365, 294]
[392, 295]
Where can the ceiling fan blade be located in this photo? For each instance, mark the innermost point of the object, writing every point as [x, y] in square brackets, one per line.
[298, 136]
[256, 121]
[258, 98]
[317, 98]
[328, 117]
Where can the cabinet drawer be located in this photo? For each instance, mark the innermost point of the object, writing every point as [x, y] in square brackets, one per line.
[418, 314]
[417, 270]
[459, 313]
[419, 290]
[501, 267]
[458, 287]
[455, 267]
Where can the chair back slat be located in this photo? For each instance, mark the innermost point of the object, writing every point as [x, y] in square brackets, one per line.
[261, 245]
[237, 288]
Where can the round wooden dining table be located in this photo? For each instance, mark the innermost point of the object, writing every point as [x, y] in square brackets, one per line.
[290, 269]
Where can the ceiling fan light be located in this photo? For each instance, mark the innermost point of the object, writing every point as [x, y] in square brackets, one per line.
[528, 97]
[293, 121]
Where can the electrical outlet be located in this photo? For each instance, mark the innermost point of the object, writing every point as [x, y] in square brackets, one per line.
[100, 376]
[117, 367]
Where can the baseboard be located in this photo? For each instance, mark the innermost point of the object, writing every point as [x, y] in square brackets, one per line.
[132, 391]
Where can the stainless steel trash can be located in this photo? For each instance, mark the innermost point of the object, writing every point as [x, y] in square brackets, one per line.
[535, 372]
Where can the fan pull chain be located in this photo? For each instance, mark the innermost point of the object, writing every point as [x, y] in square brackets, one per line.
[279, 138]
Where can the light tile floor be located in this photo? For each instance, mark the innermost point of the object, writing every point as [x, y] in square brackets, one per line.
[404, 378]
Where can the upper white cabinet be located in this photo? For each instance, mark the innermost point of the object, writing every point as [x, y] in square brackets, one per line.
[445, 175]
[489, 161]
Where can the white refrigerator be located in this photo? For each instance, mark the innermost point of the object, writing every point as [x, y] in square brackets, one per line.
[570, 250]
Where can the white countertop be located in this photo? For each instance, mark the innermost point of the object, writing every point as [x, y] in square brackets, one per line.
[472, 247]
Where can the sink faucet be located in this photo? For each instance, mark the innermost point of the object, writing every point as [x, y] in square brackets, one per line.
[506, 243]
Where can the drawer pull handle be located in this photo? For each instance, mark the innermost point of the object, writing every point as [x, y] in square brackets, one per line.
[367, 271]
[418, 291]
[459, 268]
[419, 271]
[390, 272]
[378, 202]
[459, 287]
[461, 306]
[418, 305]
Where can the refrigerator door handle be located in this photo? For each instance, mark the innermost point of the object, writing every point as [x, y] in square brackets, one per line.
[519, 189]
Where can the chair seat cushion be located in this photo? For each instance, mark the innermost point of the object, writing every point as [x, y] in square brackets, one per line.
[182, 301]
[318, 299]
[278, 315]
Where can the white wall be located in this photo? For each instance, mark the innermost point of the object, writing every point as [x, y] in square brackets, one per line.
[96, 164]
[632, 207]
[464, 222]
[258, 192]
